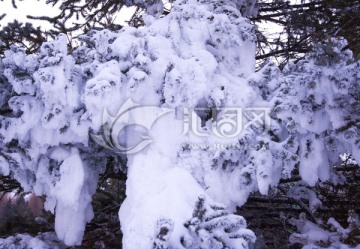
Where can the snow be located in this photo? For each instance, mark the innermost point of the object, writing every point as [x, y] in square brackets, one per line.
[263, 171]
[73, 208]
[41, 241]
[190, 68]
[312, 235]
[205, 60]
[301, 191]
[4, 166]
[173, 189]
[311, 167]
[70, 198]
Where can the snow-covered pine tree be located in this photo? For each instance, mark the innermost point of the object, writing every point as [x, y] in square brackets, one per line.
[316, 103]
[52, 100]
[315, 110]
[200, 56]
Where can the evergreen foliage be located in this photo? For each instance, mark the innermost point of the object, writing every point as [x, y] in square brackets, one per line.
[176, 195]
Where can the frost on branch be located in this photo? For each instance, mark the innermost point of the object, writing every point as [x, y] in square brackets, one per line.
[43, 240]
[212, 227]
[51, 101]
[315, 109]
[39, 127]
[330, 235]
[163, 230]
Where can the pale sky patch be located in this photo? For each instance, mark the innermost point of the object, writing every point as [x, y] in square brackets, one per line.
[40, 8]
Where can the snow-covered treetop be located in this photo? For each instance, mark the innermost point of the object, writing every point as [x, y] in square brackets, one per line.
[201, 55]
